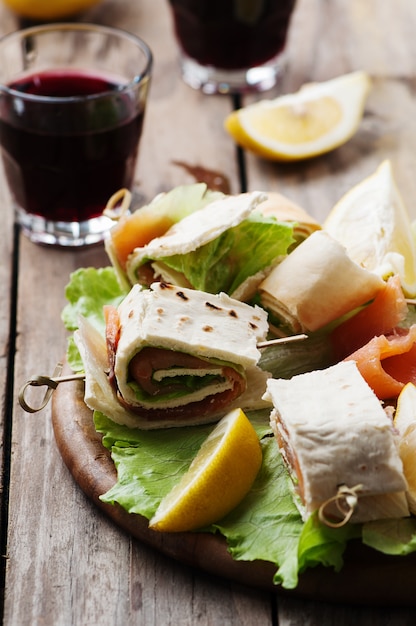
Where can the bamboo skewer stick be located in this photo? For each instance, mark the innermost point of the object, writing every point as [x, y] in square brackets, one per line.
[51, 382]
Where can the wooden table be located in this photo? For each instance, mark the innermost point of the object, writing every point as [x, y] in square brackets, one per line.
[63, 561]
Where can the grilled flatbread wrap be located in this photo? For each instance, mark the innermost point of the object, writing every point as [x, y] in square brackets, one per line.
[282, 209]
[217, 248]
[135, 229]
[173, 357]
[332, 431]
[316, 284]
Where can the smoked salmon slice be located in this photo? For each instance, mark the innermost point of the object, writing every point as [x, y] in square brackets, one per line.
[380, 317]
[388, 362]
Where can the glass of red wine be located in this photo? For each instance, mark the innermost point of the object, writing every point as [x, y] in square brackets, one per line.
[72, 103]
[232, 46]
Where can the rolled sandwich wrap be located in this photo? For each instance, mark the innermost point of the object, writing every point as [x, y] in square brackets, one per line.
[285, 210]
[280, 208]
[316, 284]
[174, 356]
[142, 231]
[332, 432]
[135, 229]
[212, 249]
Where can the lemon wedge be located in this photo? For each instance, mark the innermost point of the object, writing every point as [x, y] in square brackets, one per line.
[373, 224]
[314, 120]
[48, 9]
[405, 422]
[218, 478]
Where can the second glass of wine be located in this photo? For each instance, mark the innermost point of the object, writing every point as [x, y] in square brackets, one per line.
[232, 46]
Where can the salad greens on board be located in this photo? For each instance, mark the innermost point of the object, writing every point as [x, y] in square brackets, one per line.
[266, 525]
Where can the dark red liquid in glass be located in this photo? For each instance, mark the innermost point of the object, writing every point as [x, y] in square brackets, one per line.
[65, 167]
[232, 34]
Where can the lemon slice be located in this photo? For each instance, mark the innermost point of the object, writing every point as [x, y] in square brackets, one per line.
[405, 422]
[218, 478]
[373, 224]
[48, 9]
[316, 119]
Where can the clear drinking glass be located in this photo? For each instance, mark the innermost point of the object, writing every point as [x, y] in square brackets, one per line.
[72, 103]
[231, 45]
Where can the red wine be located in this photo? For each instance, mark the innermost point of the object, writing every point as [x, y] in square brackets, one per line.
[64, 158]
[231, 34]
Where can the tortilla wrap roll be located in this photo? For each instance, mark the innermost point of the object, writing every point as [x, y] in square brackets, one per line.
[217, 248]
[285, 210]
[174, 357]
[316, 284]
[134, 229]
[332, 431]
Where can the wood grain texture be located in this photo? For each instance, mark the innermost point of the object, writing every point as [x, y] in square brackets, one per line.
[69, 563]
[7, 267]
[6, 277]
[175, 111]
[77, 566]
[329, 39]
[7, 252]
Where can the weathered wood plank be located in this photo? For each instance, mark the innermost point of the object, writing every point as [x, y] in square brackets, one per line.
[181, 124]
[6, 340]
[305, 613]
[328, 39]
[75, 565]
[6, 269]
[6, 324]
[67, 563]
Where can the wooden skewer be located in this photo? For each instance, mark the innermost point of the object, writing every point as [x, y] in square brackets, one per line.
[51, 382]
[279, 340]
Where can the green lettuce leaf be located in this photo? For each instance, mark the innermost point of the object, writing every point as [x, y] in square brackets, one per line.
[181, 201]
[322, 545]
[391, 536]
[240, 252]
[150, 462]
[87, 292]
[174, 205]
[266, 525]
[297, 357]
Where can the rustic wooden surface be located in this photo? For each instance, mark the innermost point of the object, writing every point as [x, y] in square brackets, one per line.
[63, 561]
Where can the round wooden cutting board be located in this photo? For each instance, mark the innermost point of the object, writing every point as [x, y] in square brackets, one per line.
[368, 577]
